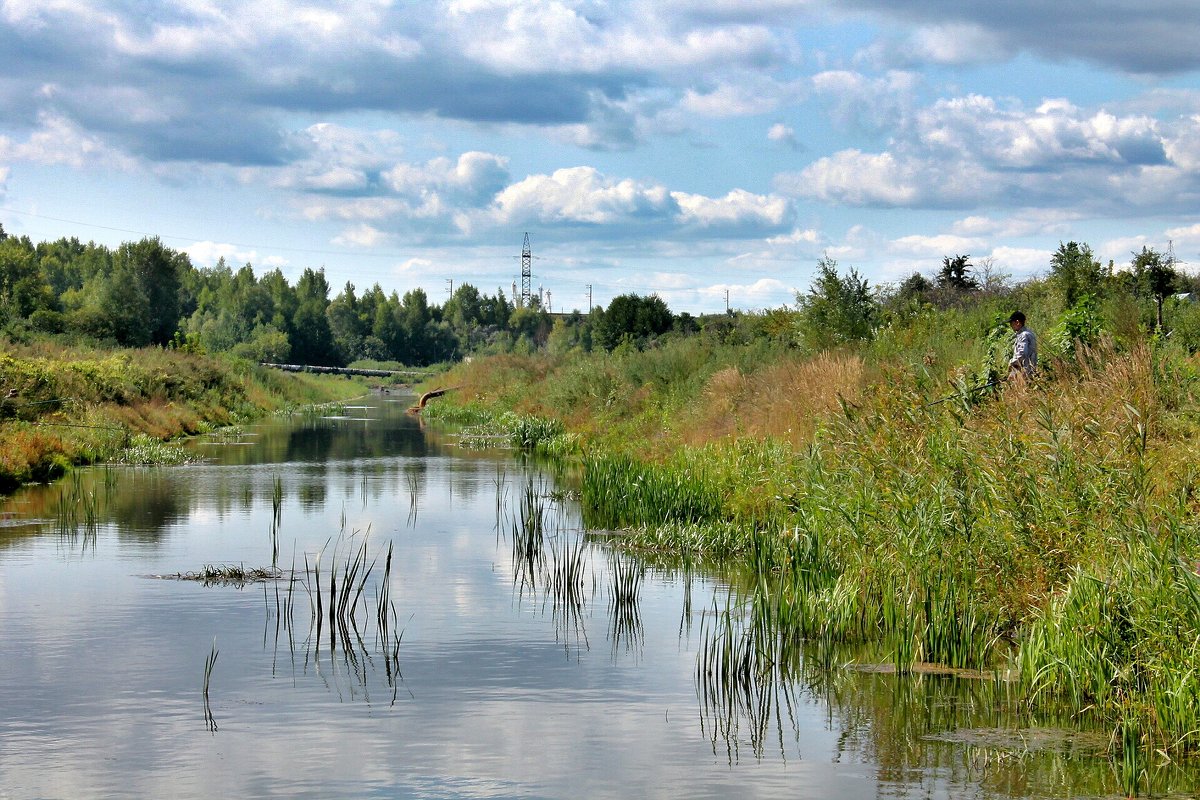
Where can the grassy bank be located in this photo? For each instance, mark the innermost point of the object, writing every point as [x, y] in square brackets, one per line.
[64, 406]
[1051, 527]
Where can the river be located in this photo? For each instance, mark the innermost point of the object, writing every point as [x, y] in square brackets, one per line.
[502, 654]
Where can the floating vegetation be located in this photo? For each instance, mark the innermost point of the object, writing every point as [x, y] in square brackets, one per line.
[229, 435]
[236, 575]
[145, 450]
[482, 430]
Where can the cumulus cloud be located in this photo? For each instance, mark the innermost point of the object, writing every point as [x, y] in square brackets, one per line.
[582, 195]
[853, 177]
[1022, 262]
[737, 209]
[972, 151]
[474, 178]
[585, 196]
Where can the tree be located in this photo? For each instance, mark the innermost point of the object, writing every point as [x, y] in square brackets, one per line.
[155, 272]
[636, 317]
[1075, 272]
[914, 288]
[310, 335]
[956, 274]
[1154, 274]
[837, 309]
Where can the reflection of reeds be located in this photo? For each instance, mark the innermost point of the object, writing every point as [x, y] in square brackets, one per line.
[737, 679]
[77, 513]
[276, 518]
[528, 540]
[624, 608]
[338, 585]
[209, 663]
[412, 482]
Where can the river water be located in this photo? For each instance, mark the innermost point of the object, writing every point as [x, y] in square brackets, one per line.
[511, 662]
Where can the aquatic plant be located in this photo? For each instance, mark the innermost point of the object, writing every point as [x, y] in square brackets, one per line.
[209, 664]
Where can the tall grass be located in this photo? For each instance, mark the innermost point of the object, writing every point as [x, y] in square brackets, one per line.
[1054, 523]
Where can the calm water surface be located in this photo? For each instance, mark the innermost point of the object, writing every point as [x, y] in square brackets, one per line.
[506, 687]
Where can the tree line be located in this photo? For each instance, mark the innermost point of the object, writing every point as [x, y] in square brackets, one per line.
[145, 293]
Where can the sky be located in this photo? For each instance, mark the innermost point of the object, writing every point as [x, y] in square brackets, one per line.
[712, 152]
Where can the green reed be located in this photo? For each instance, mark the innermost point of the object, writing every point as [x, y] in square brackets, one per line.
[209, 664]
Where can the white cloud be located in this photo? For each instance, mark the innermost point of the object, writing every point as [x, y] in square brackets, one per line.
[582, 195]
[361, 236]
[936, 246]
[952, 44]
[739, 207]
[475, 176]
[59, 141]
[783, 134]
[743, 98]
[797, 236]
[363, 208]
[1183, 144]
[207, 254]
[1032, 222]
[871, 103]
[1022, 262]
[1056, 135]
[855, 177]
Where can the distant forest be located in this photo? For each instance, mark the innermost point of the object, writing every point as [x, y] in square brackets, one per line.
[144, 293]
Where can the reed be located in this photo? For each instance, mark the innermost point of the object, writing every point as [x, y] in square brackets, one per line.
[209, 663]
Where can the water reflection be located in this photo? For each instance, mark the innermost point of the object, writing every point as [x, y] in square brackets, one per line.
[431, 634]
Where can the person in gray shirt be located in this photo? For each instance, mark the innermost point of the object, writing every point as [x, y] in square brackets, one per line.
[1024, 357]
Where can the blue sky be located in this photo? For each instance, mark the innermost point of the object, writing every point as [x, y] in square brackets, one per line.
[696, 149]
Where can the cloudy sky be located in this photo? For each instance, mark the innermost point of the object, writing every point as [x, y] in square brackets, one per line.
[696, 149]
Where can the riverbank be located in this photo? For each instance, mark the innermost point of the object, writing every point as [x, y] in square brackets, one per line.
[63, 406]
[1051, 527]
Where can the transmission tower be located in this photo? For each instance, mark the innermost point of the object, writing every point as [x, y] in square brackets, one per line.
[526, 271]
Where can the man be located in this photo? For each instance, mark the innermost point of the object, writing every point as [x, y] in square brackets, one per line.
[1024, 357]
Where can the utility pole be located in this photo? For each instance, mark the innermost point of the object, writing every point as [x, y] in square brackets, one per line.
[450, 286]
[726, 301]
[549, 303]
[589, 298]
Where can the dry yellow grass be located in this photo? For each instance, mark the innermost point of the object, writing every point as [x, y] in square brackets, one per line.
[784, 400]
